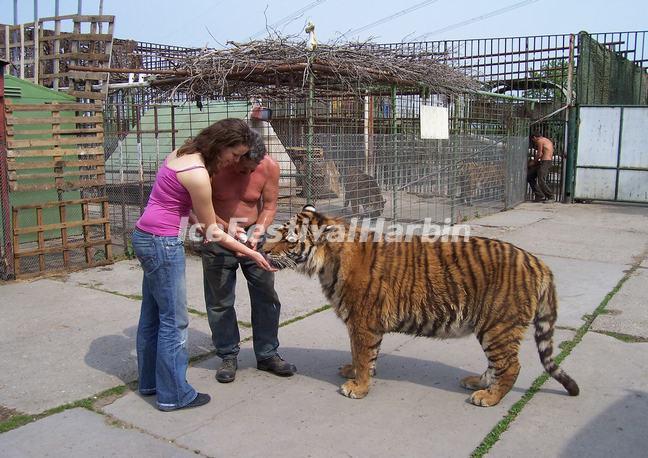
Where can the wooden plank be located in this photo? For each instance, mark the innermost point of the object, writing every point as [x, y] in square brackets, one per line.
[16, 237]
[84, 152]
[59, 106]
[80, 18]
[14, 176]
[64, 236]
[28, 143]
[41, 239]
[67, 186]
[57, 49]
[87, 95]
[93, 76]
[97, 37]
[81, 130]
[85, 214]
[79, 55]
[57, 226]
[14, 121]
[60, 203]
[13, 165]
[63, 249]
[106, 215]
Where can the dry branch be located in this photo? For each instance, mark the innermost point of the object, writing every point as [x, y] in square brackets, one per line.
[279, 66]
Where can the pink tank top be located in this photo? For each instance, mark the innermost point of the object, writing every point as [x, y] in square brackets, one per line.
[168, 203]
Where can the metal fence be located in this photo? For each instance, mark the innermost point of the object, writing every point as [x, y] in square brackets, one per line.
[362, 156]
[541, 67]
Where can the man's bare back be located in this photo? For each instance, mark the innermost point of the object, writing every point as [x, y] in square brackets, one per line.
[544, 147]
[247, 191]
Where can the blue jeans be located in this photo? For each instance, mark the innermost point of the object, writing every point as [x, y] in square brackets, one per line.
[219, 275]
[162, 355]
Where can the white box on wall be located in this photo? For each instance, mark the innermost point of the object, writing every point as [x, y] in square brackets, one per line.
[434, 123]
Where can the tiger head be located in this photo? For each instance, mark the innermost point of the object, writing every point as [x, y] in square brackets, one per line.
[300, 243]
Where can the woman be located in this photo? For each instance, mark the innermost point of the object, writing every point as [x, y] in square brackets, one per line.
[182, 183]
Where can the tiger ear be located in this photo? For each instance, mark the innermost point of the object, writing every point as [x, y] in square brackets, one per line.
[309, 208]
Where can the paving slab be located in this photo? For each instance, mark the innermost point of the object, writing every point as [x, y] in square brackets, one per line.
[632, 218]
[415, 408]
[522, 216]
[608, 418]
[81, 433]
[65, 343]
[581, 286]
[298, 294]
[573, 240]
[627, 311]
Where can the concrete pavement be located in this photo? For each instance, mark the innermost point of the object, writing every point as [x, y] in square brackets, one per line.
[70, 338]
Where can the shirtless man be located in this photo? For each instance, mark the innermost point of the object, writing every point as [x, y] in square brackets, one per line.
[539, 170]
[244, 196]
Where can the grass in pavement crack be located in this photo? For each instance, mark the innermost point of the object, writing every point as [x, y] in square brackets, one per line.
[19, 420]
[494, 435]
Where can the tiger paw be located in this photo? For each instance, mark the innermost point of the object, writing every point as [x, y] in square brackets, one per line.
[347, 371]
[354, 391]
[473, 382]
[484, 398]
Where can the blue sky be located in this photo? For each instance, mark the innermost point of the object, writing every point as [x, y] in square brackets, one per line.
[194, 22]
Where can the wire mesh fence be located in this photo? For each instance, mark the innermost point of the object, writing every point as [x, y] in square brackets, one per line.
[352, 157]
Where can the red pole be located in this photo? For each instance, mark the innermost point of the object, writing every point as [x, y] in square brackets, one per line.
[6, 257]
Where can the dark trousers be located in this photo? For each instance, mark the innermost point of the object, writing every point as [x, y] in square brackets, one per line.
[219, 276]
[537, 179]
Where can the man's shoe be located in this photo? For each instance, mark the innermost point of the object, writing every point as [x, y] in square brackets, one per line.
[277, 366]
[226, 373]
[200, 400]
[539, 199]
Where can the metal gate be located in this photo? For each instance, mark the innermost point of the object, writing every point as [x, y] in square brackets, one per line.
[612, 154]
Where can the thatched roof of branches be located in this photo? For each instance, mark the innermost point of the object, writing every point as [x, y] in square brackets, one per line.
[278, 66]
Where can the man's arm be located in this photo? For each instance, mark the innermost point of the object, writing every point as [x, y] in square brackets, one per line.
[270, 196]
[539, 150]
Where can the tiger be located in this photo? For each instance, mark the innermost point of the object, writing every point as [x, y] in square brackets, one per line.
[480, 180]
[431, 288]
[362, 189]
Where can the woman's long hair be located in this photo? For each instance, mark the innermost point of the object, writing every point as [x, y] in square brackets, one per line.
[212, 140]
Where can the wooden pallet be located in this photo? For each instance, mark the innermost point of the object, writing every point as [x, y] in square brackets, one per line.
[62, 151]
[61, 245]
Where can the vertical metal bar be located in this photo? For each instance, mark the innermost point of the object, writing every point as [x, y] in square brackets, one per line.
[309, 137]
[56, 7]
[15, 11]
[36, 41]
[5, 204]
[35, 10]
[394, 128]
[22, 52]
[157, 137]
[569, 103]
[173, 130]
[616, 182]
[7, 50]
[80, 6]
